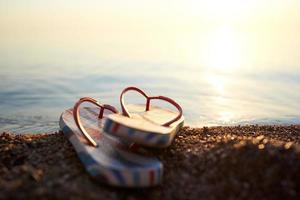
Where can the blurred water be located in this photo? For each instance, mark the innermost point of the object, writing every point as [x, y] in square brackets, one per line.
[226, 62]
[31, 100]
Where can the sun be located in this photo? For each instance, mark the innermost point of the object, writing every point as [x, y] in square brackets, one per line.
[223, 50]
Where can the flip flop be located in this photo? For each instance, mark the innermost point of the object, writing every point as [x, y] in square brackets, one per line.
[155, 127]
[107, 158]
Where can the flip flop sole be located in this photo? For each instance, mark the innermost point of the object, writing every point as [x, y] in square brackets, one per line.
[144, 127]
[111, 162]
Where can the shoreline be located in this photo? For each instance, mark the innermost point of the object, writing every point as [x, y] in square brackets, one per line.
[237, 162]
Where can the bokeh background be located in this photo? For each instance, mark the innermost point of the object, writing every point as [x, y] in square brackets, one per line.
[226, 62]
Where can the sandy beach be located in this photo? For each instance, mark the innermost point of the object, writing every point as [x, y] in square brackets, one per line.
[241, 162]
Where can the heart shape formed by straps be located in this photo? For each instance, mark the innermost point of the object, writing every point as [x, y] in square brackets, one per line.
[148, 98]
[76, 116]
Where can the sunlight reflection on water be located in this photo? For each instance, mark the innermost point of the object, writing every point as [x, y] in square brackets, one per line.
[226, 62]
[32, 103]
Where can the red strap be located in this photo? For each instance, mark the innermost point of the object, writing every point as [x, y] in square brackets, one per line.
[171, 101]
[77, 116]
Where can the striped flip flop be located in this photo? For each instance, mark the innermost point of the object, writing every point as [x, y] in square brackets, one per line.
[152, 127]
[105, 157]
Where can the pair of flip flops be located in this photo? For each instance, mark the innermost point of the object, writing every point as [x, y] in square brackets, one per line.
[106, 140]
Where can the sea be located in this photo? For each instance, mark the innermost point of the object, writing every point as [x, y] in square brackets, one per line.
[226, 63]
[32, 98]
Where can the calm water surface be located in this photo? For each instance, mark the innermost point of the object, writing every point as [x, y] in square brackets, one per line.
[226, 62]
[32, 100]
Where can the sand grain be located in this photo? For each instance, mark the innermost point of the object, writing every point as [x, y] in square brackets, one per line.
[242, 162]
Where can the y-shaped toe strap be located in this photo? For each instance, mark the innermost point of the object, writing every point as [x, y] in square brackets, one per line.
[77, 116]
[171, 101]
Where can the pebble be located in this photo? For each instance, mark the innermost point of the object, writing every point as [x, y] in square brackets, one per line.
[242, 162]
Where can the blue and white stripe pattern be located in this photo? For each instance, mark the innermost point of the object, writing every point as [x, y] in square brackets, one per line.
[142, 137]
[112, 162]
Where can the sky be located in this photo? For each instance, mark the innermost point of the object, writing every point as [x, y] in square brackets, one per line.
[222, 35]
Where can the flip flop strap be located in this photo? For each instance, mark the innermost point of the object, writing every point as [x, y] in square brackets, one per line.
[76, 116]
[171, 101]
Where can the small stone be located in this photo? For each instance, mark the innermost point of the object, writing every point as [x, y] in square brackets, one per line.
[288, 145]
[265, 141]
[37, 175]
[259, 138]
